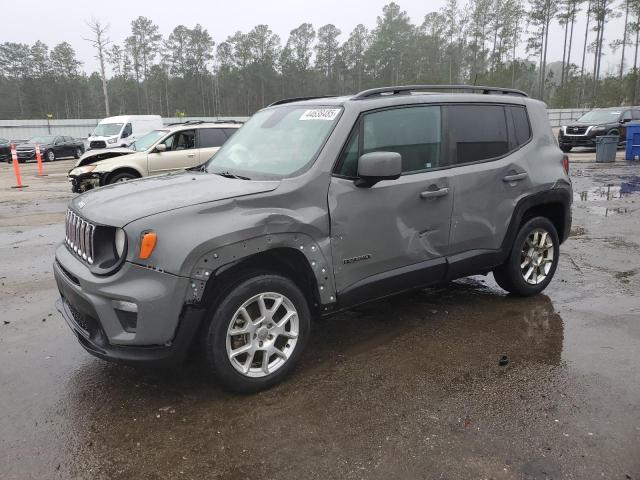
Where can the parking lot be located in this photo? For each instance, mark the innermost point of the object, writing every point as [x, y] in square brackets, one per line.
[411, 387]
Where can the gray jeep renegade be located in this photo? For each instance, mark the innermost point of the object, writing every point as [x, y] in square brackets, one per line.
[316, 205]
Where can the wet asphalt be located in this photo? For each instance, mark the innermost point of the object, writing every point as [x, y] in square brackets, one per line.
[456, 382]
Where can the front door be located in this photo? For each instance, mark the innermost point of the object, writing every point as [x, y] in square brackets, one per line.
[394, 235]
[180, 153]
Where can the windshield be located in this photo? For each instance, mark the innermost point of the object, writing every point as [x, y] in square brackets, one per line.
[107, 129]
[600, 116]
[42, 139]
[276, 142]
[143, 143]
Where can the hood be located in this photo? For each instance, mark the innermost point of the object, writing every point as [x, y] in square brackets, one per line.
[95, 156]
[30, 146]
[122, 203]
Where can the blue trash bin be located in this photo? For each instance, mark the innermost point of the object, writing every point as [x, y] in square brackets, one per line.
[633, 141]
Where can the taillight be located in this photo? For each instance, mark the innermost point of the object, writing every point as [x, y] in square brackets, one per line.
[565, 164]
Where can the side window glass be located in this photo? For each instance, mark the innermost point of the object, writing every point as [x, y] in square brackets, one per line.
[128, 130]
[413, 132]
[169, 142]
[626, 116]
[521, 127]
[478, 132]
[229, 131]
[185, 140]
[349, 161]
[636, 114]
[211, 137]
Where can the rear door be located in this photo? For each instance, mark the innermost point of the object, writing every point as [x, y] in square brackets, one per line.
[490, 172]
[209, 142]
[180, 153]
[393, 235]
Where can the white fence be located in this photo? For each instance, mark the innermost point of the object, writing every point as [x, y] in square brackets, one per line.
[558, 116]
[79, 128]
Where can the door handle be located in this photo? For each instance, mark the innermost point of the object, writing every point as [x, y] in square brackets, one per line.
[191, 155]
[515, 178]
[434, 193]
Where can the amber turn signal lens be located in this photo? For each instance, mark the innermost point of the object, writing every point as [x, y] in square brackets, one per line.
[147, 244]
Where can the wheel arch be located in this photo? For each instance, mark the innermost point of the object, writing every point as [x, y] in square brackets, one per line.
[554, 204]
[295, 256]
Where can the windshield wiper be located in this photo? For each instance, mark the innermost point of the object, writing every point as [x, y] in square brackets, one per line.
[231, 175]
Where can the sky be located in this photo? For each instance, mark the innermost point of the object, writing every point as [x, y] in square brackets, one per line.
[64, 20]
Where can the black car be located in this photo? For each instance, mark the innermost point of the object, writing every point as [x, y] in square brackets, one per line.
[5, 150]
[602, 121]
[51, 147]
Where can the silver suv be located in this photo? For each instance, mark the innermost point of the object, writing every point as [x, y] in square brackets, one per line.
[312, 207]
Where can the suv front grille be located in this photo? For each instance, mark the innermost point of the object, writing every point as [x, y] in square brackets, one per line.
[97, 144]
[79, 237]
[576, 130]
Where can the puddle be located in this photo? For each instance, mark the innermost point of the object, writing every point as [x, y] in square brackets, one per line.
[608, 192]
[608, 212]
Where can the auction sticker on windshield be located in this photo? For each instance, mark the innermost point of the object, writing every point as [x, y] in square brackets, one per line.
[320, 114]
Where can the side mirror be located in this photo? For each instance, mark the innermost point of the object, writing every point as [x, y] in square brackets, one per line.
[625, 120]
[376, 166]
[161, 147]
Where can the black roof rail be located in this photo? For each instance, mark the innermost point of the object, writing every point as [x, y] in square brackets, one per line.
[406, 89]
[198, 122]
[298, 99]
[187, 122]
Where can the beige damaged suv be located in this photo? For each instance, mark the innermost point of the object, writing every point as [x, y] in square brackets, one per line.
[176, 147]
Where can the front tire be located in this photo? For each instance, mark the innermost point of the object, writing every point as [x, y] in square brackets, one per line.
[50, 156]
[121, 177]
[257, 333]
[532, 261]
[78, 153]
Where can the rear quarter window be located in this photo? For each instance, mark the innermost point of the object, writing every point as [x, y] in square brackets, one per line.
[521, 126]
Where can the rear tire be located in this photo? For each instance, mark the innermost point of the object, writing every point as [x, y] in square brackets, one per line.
[533, 259]
[272, 321]
[50, 156]
[78, 153]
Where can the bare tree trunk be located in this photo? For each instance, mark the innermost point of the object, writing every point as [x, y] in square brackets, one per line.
[564, 47]
[573, 21]
[635, 64]
[100, 42]
[624, 38]
[584, 54]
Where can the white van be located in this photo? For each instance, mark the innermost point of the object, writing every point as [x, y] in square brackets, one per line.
[122, 131]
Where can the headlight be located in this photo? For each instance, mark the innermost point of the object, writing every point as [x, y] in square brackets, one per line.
[83, 169]
[120, 241]
[112, 140]
[598, 129]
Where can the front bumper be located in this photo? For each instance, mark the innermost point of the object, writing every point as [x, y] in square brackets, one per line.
[86, 181]
[163, 329]
[577, 140]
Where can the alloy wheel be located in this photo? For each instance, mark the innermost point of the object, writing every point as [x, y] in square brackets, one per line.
[537, 256]
[262, 334]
